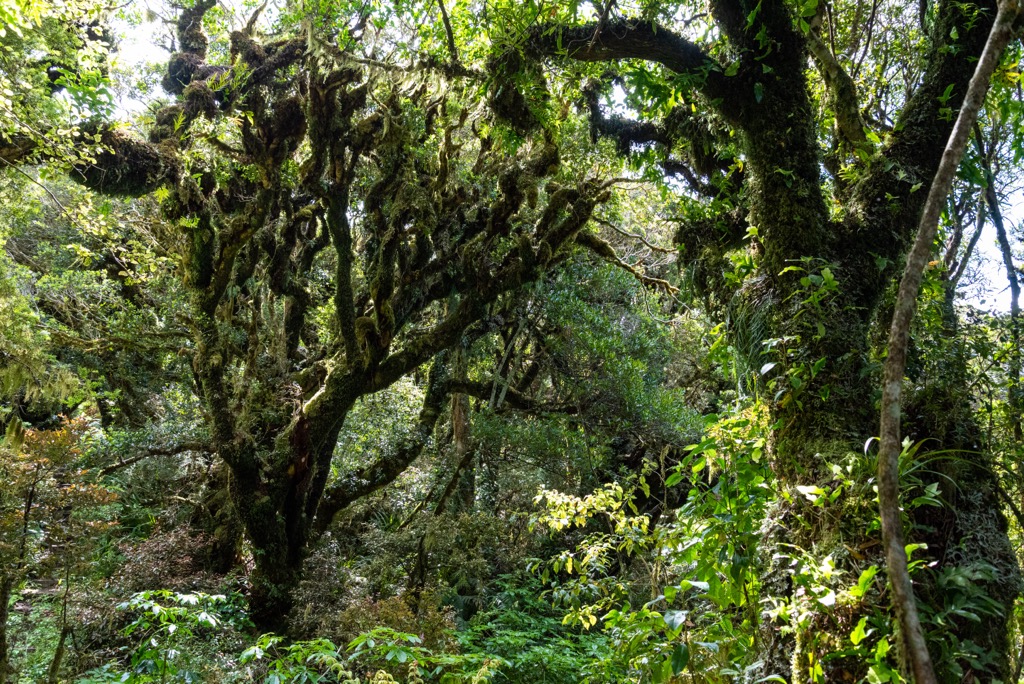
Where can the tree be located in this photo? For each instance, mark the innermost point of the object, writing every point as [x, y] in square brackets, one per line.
[49, 514]
[825, 249]
[302, 183]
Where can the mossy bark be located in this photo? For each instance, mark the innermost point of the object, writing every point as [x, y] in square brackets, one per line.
[6, 589]
[822, 419]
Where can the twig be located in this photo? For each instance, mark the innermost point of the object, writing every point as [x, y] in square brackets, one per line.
[601, 22]
[47, 190]
[635, 236]
[156, 451]
[916, 648]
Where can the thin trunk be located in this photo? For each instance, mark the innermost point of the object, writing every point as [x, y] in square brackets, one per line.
[464, 456]
[65, 630]
[52, 675]
[465, 475]
[916, 648]
[6, 589]
[1014, 398]
[961, 265]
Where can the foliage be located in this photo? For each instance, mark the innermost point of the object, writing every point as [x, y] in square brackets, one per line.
[364, 308]
[529, 638]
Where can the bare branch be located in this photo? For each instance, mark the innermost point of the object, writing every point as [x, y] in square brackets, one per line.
[604, 250]
[635, 236]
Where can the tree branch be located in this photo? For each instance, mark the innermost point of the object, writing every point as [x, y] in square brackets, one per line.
[635, 236]
[155, 451]
[385, 470]
[125, 166]
[889, 198]
[603, 249]
[513, 397]
[452, 50]
[841, 88]
[638, 39]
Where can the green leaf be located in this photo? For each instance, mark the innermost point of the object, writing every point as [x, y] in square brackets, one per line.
[911, 548]
[811, 492]
[864, 582]
[680, 658]
[859, 632]
[877, 675]
[674, 619]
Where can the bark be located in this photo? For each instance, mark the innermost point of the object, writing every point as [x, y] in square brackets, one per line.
[6, 589]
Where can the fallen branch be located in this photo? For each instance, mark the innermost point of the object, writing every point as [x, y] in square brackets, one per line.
[916, 648]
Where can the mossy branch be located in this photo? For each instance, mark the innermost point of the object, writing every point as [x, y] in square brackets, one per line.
[383, 471]
[604, 249]
[638, 39]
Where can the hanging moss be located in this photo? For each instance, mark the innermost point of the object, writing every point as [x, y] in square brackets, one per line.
[181, 69]
[127, 166]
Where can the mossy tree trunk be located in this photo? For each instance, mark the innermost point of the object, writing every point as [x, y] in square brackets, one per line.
[6, 591]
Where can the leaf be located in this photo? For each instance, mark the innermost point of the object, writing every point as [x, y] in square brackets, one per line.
[680, 658]
[753, 15]
[758, 92]
[15, 434]
[859, 632]
[864, 582]
[911, 548]
[811, 492]
[878, 676]
[674, 619]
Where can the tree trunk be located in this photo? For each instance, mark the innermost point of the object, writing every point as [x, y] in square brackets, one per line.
[6, 589]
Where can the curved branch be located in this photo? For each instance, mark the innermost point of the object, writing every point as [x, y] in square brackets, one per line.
[841, 88]
[603, 249]
[637, 39]
[386, 469]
